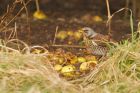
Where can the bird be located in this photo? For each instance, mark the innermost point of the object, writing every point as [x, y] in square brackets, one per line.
[91, 34]
[93, 41]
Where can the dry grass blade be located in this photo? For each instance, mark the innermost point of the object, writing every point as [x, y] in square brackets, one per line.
[122, 65]
[27, 69]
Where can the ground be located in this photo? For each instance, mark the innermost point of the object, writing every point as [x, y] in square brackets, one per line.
[69, 17]
[116, 72]
[39, 32]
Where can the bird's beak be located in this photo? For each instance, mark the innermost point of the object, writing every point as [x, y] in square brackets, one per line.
[80, 31]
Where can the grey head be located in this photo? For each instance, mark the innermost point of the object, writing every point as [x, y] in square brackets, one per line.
[89, 32]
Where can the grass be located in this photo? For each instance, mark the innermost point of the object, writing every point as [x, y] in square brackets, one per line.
[120, 73]
[29, 73]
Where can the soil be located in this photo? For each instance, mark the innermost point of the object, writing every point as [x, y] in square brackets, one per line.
[41, 32]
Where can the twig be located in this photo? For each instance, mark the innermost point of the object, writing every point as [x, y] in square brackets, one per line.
[28, 21]
[4, 17]
[126, 6]
[69, 46]
[55, 35]
[13, 33]
[109, 16]
[108, 9]
[37, 5]
[14, 17]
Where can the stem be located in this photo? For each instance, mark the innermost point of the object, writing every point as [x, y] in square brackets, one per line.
[108, 8]
[66, 46]
[131, 25]
[109, 16]
[37, 5]
[126, 6]
[55, 35]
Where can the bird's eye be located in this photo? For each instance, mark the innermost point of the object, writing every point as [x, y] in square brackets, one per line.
[85, 30]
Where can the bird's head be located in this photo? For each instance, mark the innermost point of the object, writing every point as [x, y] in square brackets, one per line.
[89, 32]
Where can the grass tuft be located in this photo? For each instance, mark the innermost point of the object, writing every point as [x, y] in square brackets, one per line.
[29, 73]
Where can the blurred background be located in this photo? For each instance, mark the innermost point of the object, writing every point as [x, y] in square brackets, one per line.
[97, 6]
[67, 15]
